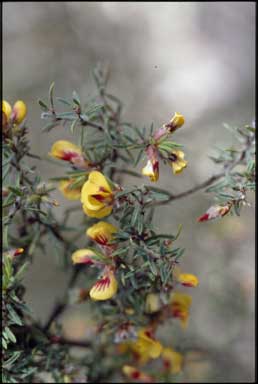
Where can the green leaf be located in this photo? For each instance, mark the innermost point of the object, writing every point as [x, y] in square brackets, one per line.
[10, 334]
[13, 315]
[16, 191]
[50, 93]
[49, 126]
[135, 215]
[63, 101]
[43, 106]
[76, 98]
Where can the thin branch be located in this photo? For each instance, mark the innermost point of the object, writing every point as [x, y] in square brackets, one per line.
[172, 197]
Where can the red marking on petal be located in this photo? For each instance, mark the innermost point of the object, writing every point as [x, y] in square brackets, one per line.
[18, 251]
[101, 239]
[136, 374]
[204, 217]
[166, 364]
[69, 155]
[103, 283]
[99, 197]
[188, 284]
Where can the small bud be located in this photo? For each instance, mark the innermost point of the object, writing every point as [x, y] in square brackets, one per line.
[188, 280]
[176, 122]
[19, 112]
[214, 212]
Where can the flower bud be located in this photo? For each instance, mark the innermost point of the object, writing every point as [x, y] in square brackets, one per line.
[19, 112]
[152, 303]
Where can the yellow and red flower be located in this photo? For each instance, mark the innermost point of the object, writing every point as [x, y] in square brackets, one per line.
[102, 233]
[151, 169]
[19, 112]
[177, 161]
[16, 114]
[214, 212]
[176, 122]
[70, 192]
[144, 348]
[134, 374]
[180, 304]
[67, 151]
[106, 287]
[97, 196]
[83, 256]
[188, 280]
[172, 360]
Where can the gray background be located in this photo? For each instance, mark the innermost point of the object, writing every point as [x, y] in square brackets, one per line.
[195, 58]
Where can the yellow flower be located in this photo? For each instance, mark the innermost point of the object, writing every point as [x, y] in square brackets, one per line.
[134, 374]
[145, 347]
[151, 170]
[152, 303]
[19, 111]
[83, 256]
[152, 167]
[177, 120]
[102, 232]
[65, 150]
[188, 280]
[6, 110]
[104, 288]
[97, 196]
[65, 186]
[17, 114]
[180, 305]
[172, 360]
[177, 161]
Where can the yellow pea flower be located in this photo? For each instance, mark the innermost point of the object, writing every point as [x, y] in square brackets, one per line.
[6, 110]
[172, 360]
[68, 192]
[180, 305]
[177, 161]
[134, 374]
[102, 232]
[151, 170]
[65, 150]
[152, 303]
[145, 347]
[188, 280]
[17, 114]
[177, 121]
[152, 167]
[104, 288]
[97, 196]
[83, 256]
[19, 111]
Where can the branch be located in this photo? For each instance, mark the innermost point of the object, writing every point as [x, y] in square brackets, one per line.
[172, 197]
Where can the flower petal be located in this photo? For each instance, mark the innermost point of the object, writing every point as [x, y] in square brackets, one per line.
[83, 256]
[102, 232]
[68, 192]
[6, 109]
[65, 150]
[19, 111]
[104, 288]
[172, 360]
[188, 280]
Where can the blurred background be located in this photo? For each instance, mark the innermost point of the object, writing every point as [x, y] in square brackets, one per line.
[196, 58]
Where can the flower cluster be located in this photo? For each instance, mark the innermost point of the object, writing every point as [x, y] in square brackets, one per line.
[160, 147]
[102, 234]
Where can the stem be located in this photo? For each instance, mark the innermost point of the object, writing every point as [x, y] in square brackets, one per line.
[172, 197]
